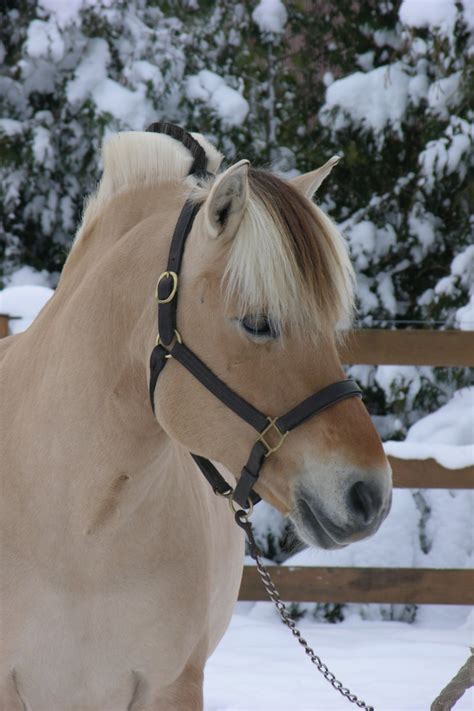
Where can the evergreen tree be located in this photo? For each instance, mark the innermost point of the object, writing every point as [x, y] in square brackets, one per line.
[248, 50]
[403, 194]
[67, 80]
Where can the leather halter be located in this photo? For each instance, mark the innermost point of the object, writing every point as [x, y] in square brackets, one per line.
[271, 431]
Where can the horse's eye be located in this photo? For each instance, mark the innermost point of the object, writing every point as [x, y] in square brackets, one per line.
[260, 326]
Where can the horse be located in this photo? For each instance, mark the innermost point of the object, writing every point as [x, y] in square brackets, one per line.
[120, 567]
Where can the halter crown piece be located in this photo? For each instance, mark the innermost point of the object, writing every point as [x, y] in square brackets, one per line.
[272, 431]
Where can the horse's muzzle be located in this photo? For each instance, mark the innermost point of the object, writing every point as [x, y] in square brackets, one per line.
[360, 513]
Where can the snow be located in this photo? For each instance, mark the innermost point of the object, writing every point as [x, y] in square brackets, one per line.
[468, 13]
[227, 103]
[129, 106]
[365, 61]
[393, 378]
[422, 227]
[146, 72]
[362, 242]
[65, 11]
[27, 276]
[23, 301]
[446, 435]
[91, 71]
[449, 456]
[258, 666]
[110, 97]
[44, 41]
[428, 13]
[270, 16]
[462, 273]
[372, 99]
[43, 151]
[465, 315]
[463, 265]
[368, 300]
[443, 94]
[452, 424]
[10, 126]
[443, 156]
[386, 292]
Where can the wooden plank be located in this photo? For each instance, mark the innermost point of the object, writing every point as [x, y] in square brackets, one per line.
[3, 325]
[409, 347]
[383, 585]
[428, 474]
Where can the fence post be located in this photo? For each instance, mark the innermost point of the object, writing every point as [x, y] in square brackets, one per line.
[4, 325]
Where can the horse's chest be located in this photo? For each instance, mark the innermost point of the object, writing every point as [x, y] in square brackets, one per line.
[86, 650]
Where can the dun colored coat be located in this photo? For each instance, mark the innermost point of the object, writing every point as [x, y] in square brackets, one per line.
[119, 566]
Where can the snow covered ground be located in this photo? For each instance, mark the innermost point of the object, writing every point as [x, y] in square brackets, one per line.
[394, 666]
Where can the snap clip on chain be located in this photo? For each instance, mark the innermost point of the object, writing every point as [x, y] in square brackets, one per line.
[242, 519]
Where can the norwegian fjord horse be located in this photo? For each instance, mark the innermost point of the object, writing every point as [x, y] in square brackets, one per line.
[119, 566]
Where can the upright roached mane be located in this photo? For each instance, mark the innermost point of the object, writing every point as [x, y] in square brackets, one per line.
[287, 259]
[135, 159]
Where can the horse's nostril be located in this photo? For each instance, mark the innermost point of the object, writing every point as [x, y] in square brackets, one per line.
[364, 500]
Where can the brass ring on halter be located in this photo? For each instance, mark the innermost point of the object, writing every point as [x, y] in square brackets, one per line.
[235, 508]
[167, 275]
[177, 337]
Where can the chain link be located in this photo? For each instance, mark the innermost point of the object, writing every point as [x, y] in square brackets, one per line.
[242, 520]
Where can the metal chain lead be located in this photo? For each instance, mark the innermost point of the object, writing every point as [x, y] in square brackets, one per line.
[242, 520]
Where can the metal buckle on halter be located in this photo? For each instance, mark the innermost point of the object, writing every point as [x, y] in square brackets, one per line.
[170, 297]
[272, 425]
[176, 338]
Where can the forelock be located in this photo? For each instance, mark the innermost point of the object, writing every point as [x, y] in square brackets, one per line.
[288, 260]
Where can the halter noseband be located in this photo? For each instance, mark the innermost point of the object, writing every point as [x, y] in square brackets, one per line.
[271, 431]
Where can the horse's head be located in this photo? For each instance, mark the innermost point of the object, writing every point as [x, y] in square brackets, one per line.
[264, 288]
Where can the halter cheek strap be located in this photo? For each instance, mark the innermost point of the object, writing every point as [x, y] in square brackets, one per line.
[271, 431]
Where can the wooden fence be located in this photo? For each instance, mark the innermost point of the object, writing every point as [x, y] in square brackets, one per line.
[390, 585]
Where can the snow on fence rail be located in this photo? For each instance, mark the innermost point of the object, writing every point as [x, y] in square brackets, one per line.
[384, 585]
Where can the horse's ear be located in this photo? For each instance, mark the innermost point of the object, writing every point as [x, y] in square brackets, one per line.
[308, 183]
[226, 203]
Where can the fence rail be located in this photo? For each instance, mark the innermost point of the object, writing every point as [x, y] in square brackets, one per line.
[409, 347]
[428, 474]
[388, 585]
[384, 585]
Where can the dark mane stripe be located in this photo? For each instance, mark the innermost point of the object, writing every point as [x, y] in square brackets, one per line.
[179, 134]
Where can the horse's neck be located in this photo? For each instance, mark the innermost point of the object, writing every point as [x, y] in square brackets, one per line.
[80, 370]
